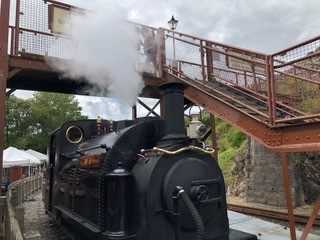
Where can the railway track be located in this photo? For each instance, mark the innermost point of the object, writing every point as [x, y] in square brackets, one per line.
[270, 214]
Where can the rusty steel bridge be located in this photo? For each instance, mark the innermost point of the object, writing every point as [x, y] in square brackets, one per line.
[273, 98]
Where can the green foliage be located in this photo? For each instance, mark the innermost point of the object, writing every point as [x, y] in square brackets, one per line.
[309, 95]
[28, 122]
[235, 137]
[227, 164]
[306, 92]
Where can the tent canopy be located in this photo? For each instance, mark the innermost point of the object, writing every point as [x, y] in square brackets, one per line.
[42, 157]
[15, 157]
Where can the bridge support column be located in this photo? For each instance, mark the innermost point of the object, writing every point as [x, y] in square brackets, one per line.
[311, 220]
[286, 182]
[4, 62]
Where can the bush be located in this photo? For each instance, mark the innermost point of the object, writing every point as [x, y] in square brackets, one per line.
[226, 163]
[236, 138]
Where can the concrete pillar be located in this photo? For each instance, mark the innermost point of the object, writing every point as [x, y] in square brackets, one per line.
[19, 212]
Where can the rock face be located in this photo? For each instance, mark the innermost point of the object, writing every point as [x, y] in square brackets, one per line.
[309, 167]
[258, 176]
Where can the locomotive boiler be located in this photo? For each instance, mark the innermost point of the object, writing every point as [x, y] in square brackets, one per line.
[137, 179]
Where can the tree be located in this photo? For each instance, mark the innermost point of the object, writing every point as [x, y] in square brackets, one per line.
[17, 112]
[30, 121]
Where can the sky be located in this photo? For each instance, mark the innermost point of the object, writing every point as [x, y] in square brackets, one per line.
[265, 26]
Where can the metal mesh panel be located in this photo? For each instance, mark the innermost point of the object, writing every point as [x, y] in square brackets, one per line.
[143, 63]
[35, 36]
[297, 77]
[34, 15]
[229, 65]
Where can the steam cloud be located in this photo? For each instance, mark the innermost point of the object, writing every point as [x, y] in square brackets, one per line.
[105, 52]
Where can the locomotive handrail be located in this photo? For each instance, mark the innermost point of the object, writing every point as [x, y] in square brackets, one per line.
[81, 151]
[191, 147]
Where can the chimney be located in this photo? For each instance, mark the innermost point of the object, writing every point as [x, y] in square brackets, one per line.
[173, 109]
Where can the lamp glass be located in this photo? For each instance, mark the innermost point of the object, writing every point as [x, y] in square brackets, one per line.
[173, 23]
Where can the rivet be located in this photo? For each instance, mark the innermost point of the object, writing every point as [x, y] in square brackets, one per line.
[297, 138]
[308, 137]
[287, 139]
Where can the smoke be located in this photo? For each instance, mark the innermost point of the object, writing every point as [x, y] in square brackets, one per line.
[105, 52]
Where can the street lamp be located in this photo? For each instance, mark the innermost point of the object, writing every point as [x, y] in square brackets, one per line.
[173, 25]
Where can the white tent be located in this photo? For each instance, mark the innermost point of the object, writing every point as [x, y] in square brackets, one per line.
[15, 157]
[42, 157]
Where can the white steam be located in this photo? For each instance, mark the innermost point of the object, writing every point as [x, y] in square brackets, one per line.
[105, 52]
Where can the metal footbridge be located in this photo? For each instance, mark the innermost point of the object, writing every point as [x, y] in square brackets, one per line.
[273, 98]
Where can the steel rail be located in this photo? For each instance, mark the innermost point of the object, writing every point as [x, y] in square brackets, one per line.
[271, 213]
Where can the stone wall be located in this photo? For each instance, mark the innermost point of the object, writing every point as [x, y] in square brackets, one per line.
[264, 179]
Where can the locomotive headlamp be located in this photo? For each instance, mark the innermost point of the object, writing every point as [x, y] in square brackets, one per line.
[74, 134]
[196, 128]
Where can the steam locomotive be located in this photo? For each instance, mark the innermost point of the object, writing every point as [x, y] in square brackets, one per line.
[137, 179]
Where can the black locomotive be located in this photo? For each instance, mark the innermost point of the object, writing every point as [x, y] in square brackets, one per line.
[139, 180]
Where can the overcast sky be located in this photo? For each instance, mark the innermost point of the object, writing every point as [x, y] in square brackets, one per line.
[266, 26]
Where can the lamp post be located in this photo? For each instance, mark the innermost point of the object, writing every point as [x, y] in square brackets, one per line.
[173, 25]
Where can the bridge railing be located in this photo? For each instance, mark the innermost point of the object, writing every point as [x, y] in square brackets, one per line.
[12, 210]
[296, 74]
[288, 80]
[204, 61]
